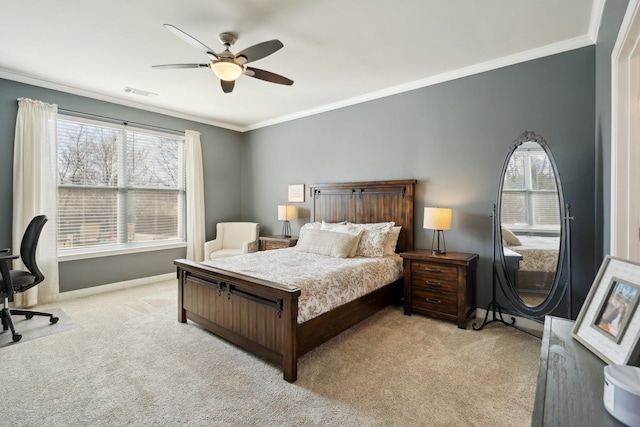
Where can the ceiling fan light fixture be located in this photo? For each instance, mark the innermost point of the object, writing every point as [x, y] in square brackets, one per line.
[226, 70]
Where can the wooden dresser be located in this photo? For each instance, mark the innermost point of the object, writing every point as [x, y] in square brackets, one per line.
[277, 242]
[442, 286]
[570, 381]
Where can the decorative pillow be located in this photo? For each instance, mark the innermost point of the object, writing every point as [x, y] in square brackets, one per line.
[344, 227]
[392, 241]
[509, 238]
[329, 243]
[374, 238]
[372, 243]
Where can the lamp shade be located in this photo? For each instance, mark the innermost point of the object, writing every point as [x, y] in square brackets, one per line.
[286, 212]
[437, 218]
[226, 70]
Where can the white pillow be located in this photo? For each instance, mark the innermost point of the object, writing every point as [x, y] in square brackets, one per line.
[309, 226]
[329, 243]
[392, 240]
[344, 227]
[509, 238]
[374, 238]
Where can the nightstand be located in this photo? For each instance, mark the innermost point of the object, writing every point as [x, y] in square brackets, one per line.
[442, 286]
[277, 242]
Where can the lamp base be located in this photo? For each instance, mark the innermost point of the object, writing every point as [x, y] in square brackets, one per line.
[286, 229]
[436, 249]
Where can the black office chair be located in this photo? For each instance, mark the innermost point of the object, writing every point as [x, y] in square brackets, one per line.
[16, 281]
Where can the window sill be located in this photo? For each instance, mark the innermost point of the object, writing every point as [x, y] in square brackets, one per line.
[87, 253]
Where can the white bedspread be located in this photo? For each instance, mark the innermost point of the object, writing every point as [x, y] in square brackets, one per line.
[324, 282]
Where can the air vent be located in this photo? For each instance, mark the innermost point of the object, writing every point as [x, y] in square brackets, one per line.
[140, 92]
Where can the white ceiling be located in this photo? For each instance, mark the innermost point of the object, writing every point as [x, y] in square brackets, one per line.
[338, 52]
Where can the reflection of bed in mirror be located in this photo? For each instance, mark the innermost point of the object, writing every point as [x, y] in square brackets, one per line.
[532, 264]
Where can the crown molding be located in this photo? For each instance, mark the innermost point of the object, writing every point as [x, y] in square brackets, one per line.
[596, 18]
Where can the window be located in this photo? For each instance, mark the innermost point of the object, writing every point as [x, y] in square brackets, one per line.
[530, 196]
[118, 186]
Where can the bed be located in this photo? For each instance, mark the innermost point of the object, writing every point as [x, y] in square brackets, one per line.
[537, 258]
[263, 316]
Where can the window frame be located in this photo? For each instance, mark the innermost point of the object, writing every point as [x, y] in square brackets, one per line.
[122, 189]
[529, 194]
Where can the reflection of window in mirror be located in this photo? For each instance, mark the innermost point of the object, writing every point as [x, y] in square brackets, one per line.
[530, 198]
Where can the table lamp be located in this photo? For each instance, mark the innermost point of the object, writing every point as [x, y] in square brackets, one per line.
[286, 213]
[437, 219]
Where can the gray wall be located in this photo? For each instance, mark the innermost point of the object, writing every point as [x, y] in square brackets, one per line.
[221, 151]
[609, 27]
[451, 137]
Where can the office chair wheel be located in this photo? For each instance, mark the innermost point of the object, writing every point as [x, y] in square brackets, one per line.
[17, 337]
[28, 316]
[54, 319]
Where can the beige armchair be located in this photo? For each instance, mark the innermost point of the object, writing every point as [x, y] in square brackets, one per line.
[233, 238]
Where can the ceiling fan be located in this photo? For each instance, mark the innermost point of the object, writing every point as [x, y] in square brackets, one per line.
[228, 66]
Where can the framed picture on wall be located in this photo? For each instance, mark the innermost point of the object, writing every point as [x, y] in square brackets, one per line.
[609, 323]
[296, 193]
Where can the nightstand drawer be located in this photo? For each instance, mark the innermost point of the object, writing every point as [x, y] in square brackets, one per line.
[268, 243]
[274, 245]
[435, 301]
[433, 282]
[435, 270]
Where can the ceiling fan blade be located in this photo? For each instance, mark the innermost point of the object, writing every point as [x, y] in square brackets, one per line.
[260, 50]
[227, 86]
[192, 41]
[268, 76]
[181, 66]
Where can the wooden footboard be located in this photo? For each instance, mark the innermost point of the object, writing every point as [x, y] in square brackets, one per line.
[260, 316]
[257, 315]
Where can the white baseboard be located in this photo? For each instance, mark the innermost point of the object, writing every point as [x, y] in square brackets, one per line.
[521, 322]
[94, 290]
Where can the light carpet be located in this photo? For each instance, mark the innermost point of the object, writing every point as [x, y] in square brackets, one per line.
[129, 362]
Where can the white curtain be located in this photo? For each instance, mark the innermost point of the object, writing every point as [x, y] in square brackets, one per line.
[195, 198]
[35, 192]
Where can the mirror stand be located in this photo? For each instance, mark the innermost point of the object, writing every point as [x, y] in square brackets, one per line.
[494, 306]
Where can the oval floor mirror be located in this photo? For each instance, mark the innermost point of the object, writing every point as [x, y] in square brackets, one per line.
[531, 234]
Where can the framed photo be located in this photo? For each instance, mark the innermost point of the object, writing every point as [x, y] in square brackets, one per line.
[609, 323]
[296, 193]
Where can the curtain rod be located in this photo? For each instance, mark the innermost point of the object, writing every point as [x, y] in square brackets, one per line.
[125, 122]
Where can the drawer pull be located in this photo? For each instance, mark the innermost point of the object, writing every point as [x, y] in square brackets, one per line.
[429, 282]
[433, 301]
[436, 270]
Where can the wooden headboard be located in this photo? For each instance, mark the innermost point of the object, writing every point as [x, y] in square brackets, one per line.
[367, 202]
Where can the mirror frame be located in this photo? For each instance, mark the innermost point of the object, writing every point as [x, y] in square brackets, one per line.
[558, 287]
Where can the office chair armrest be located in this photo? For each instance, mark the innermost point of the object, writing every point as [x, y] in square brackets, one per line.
[5, 262]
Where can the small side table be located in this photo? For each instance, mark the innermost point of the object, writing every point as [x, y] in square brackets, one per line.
[440, 285]
[277, 242]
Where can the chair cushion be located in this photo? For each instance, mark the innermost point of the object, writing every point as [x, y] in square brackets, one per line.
[22, 280]
[225, 253]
